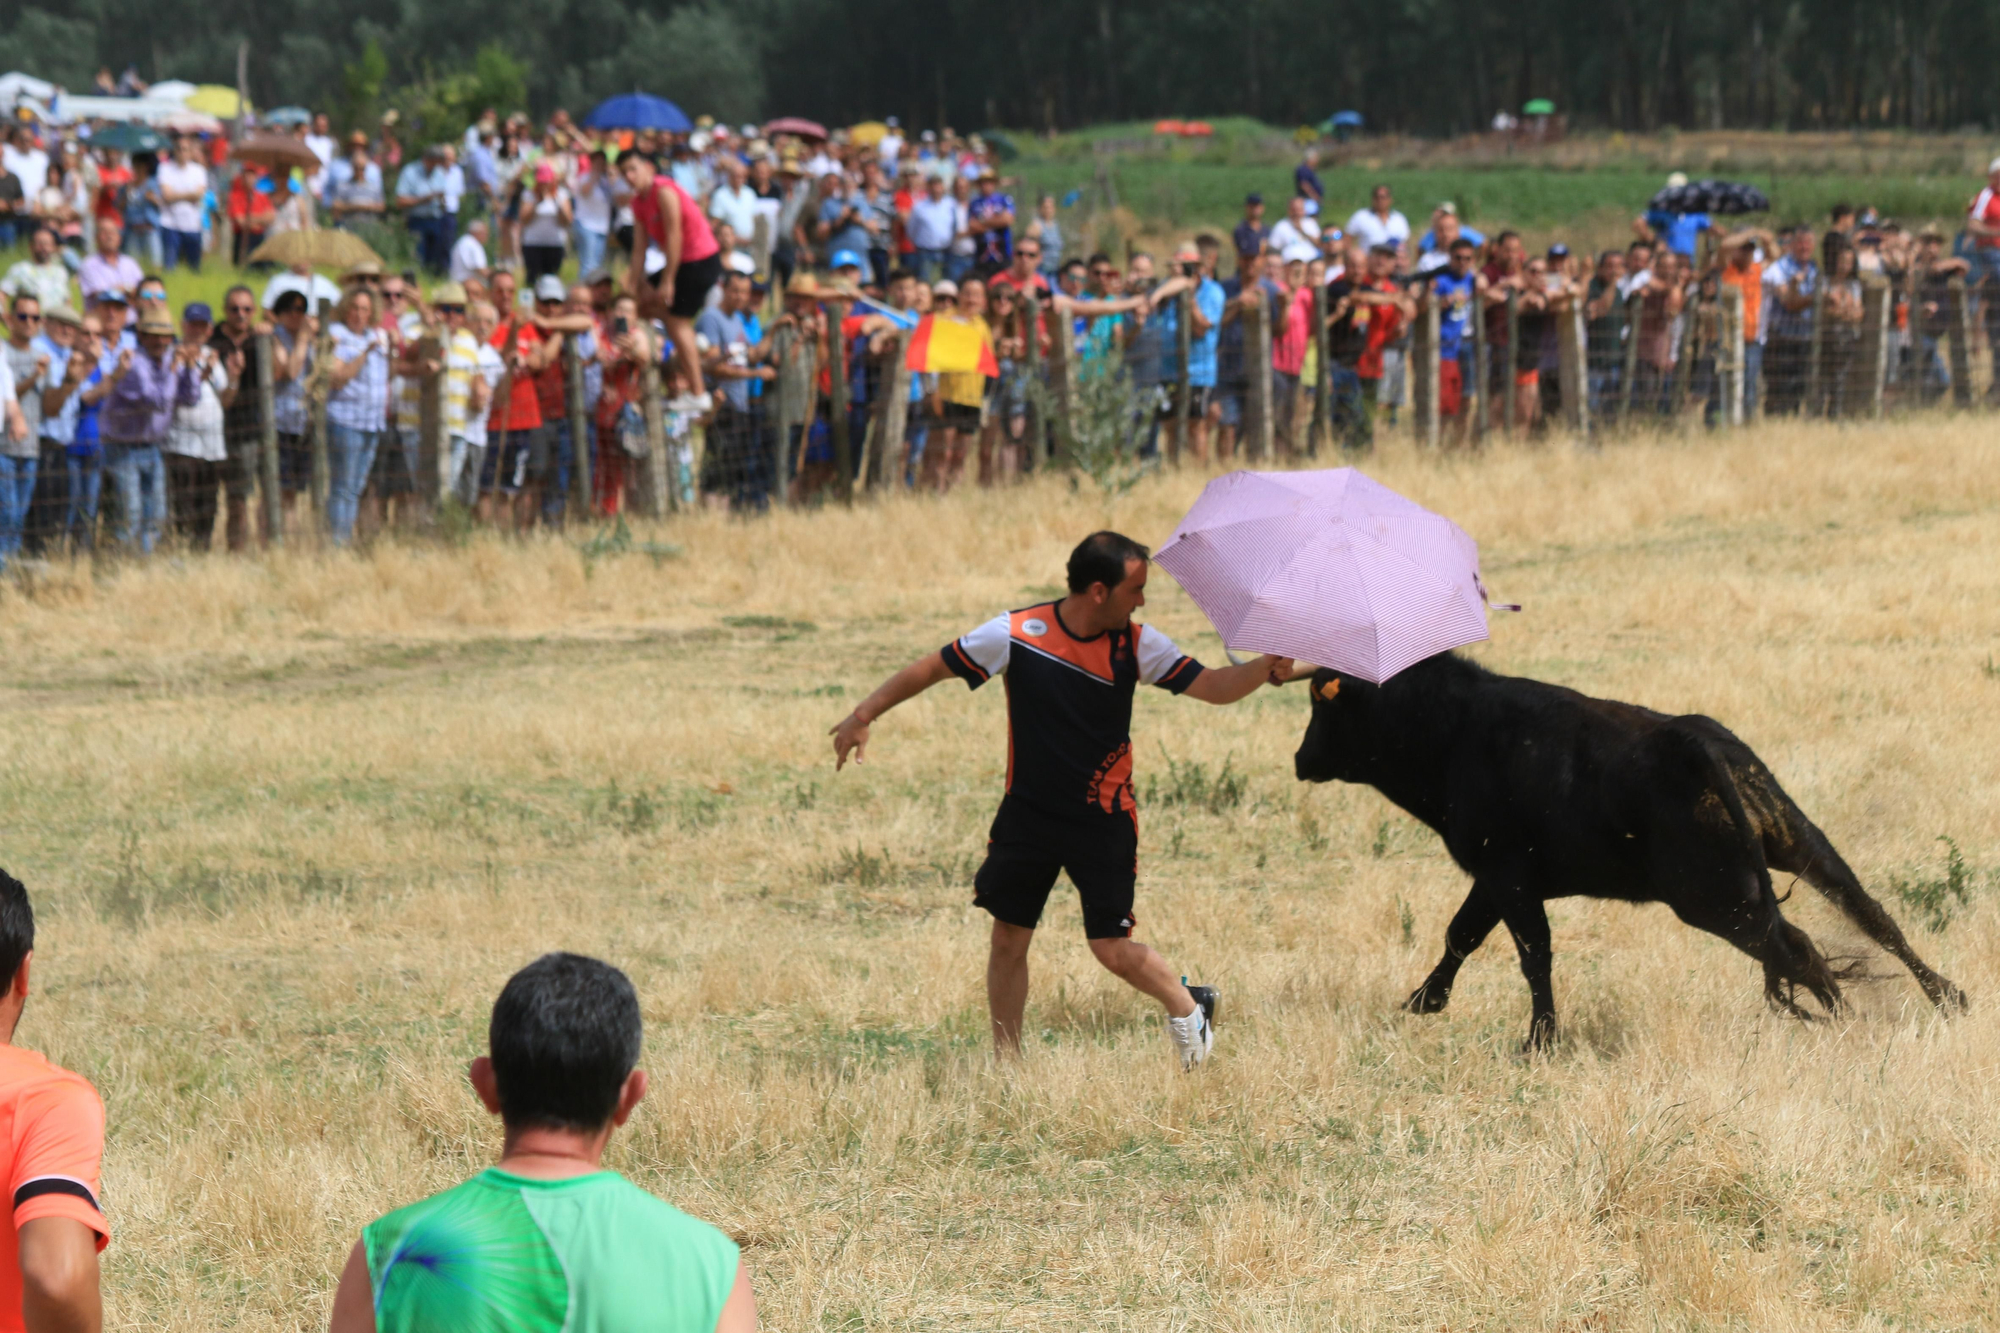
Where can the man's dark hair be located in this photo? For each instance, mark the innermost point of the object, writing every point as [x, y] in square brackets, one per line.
[1841, 210]
[14, 306]
[1097, 258]
[1074, 264]
[287, 302]
[1101, 558]
[902, 275]
[565, 1032]
[1462, 243]
[1206, 241]
[17, 925]
[632, 155]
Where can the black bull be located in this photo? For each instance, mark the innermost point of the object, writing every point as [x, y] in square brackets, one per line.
[1540, 792]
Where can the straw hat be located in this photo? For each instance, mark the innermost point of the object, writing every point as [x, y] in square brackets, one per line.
[449, 293]
[802, 284]
[367, 268]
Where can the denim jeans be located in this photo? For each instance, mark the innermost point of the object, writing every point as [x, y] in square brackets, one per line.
[957, 266]
[17, 492]
[1349, 410]
[589, 246]
[143, 244]
[86, 484]
[141, 477]
[349, 455]
[555, 484]
[180, 247]
[929, 265]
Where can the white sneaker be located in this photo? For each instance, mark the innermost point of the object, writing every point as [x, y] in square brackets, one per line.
[692, 404]
[1192, 1037]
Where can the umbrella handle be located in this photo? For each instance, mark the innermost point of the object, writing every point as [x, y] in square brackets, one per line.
[1487, 597]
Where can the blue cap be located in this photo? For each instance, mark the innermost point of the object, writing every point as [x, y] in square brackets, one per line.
[848, 259]
[197, 312]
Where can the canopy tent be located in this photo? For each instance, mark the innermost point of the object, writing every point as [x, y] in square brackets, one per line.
[1540, 106]
[215, 99]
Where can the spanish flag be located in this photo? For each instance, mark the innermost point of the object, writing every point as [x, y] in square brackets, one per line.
[952, 344]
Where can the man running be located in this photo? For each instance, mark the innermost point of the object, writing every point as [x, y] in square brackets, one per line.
[1071, 669]
[53, 1147]
[548, 1241]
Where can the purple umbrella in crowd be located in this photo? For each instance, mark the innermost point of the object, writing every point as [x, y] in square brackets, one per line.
[1330, 568]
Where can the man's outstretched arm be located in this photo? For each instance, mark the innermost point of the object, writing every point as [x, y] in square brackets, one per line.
[1225, 685]
[851, 735]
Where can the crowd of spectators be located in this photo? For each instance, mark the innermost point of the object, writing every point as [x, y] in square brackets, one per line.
[786, 247]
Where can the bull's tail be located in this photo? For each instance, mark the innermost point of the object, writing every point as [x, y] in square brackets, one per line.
[1792, 843]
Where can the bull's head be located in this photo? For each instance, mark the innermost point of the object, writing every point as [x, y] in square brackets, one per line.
[1334, 735]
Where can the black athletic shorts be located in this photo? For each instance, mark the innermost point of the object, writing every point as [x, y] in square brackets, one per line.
[1026, 849]
[692, 281]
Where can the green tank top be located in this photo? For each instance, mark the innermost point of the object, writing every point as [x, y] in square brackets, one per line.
[502, 1253]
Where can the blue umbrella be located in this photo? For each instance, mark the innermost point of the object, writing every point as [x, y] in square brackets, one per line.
[1348, 118]
[288, 115]
[638, 111]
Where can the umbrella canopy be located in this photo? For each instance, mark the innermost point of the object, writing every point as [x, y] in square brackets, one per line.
[1711, 197]
[190, 122]
[276, 150]
[796, 125]
[950, 345]
[638, 111]
[867, 134]
[1330, 568]
[216, 100]
[316, 247]
[288, 115]
[1351, 119]
[129, 138]
[1541, 106]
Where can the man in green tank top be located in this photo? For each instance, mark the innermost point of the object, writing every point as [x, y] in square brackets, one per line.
[548, 1241]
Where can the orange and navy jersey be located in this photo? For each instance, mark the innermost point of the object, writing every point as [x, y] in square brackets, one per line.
[1069, 703]
[52, 1136]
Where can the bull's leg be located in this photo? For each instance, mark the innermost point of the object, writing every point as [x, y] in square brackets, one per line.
[1830, 875]
[1476, 917]
[1528, 922]
[1758, 928]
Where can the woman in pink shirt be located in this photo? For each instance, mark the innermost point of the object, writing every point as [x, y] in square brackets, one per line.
[663, 215]
[1288, 350]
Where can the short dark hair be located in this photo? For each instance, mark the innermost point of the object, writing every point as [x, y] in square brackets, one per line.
[565, 1033]
[902, 275]
[1074, 263]
[1843, 209]
[630, 154]
[1097, 258]
[1461, 243]
[239, 287]
[287, 302]
[1101, 558]
[14, 305]
[17, 925]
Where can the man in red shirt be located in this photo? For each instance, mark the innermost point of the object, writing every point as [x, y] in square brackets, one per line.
[1071, 668]
[52, 1138]
[1983, 224]
[517, 418]
[1386, 307]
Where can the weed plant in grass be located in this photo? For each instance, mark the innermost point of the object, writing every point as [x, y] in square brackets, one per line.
[291, 823]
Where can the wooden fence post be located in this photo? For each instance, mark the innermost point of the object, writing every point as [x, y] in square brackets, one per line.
[268, 478]
[843, 447]
[1635, 312]
[1482, 371]
[1511, 378]
[1183, 354]
[1423, 367]
[1037, 436]
[1876, 299]
[1255, 313]
[1062, 371]
[1573, 369]
[1683, 376]
[760, 252]
[1959, 311]
[431, 460]
[581, 491]
[1816, 351]
[795, 396]
[319, 389]
[1729, 358]
[892, 416]
[662, 472]
[1322, 417]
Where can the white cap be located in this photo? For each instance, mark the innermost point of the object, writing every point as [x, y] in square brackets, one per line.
[1993, 166]
[549, 287]
[1298, 252]
[1676, 180]
[738, 262]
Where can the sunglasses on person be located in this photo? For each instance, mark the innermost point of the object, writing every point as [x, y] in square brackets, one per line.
[241, 308]
[396, 295]
[27, 318]
[1028, 252]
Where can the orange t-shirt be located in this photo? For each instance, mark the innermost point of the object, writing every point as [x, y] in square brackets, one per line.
[52, 1133]
[1749, 281]
[524, 404]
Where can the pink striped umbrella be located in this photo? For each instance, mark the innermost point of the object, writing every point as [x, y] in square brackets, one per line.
[1328, 567]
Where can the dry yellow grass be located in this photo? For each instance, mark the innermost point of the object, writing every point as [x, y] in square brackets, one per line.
[290, 825]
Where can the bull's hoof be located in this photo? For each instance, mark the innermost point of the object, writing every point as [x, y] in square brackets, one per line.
[1948, 996]
[1428, 999]
[1541, 1035]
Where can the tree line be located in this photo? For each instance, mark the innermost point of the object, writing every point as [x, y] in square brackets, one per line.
[1431, 67]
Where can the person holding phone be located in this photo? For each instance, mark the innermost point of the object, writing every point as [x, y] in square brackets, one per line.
[358, 384]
